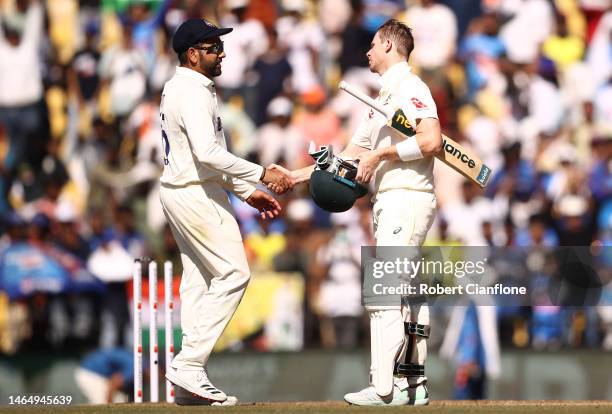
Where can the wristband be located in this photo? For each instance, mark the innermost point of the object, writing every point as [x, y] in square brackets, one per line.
[409, 150]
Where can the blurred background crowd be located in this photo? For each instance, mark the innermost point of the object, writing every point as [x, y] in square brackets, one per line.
[526, 83]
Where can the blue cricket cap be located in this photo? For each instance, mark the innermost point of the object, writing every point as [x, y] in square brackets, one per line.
[193, 31]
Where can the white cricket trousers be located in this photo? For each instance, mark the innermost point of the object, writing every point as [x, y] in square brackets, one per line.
[215, 268]
[403, 217]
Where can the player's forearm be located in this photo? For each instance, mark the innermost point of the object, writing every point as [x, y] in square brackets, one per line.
[303, 174]
[429, 136]
[352, 151]
[219, 159]
[431, 145]
[387, 153]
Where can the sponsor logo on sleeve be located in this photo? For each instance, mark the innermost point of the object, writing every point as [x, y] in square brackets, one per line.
[420, 106]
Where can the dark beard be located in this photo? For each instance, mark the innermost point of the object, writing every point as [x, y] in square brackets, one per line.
[212, 70]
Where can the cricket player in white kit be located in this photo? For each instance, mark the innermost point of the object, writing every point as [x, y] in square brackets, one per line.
[198, 170]
[404, 210]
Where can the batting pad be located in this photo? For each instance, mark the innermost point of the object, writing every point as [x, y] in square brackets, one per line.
[387, 338]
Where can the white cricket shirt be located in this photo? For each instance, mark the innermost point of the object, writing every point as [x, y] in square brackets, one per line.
[401, 89]
[193, 143]
[20, 71]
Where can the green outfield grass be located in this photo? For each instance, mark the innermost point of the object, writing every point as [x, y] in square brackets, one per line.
[442, 407]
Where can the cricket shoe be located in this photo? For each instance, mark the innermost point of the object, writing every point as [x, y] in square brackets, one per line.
[401, 396]
[184, 397]
[418, 395]
[196, 382]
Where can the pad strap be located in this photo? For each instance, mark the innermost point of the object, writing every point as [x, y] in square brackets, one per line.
[409, 370]
[413, 328]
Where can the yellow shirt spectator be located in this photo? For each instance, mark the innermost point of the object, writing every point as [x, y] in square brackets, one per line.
[563, 50]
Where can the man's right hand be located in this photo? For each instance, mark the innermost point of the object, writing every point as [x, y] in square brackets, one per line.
[277, 180]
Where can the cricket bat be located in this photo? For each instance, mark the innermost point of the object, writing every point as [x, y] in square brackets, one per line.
[453, 154]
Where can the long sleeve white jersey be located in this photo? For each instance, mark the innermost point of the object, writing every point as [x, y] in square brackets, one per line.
[193, 143]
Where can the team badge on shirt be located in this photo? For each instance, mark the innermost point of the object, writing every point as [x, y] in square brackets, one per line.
[418, 104]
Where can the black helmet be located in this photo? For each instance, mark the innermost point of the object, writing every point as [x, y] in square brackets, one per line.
[334, 193]
[332, 183]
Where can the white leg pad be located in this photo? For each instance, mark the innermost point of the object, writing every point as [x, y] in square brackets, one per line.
[387, 339]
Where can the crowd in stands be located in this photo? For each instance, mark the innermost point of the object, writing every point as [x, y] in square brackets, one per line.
[526, 83]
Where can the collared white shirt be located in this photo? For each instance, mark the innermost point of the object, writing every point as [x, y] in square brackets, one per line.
[193, 143]
[401, 89]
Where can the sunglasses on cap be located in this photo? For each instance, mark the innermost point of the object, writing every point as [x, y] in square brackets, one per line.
[215, 48]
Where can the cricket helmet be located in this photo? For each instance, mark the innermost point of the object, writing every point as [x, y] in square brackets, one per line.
[332, 183]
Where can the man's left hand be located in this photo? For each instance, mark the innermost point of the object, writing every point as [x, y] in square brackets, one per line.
[266, 204]
[368, 162]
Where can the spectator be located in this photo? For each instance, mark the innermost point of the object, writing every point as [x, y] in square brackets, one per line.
[305, 41]
[272, 71]
[124, 69]
[127, 234]
[573, 220]
[111, 263]
[465, 218]
[600, 179]
[144, 25]
[65, 231]
[524, 33]
[318, 122]
[355, 40]
[278, 141]
[239, 127]
[340, 293]
[244, 45]
[538, 234]
[562, 47]
[516, 179]
[481, 50]
[265, 241]
[21, 88]
[434, 28]
[84, 80]
[106, 376]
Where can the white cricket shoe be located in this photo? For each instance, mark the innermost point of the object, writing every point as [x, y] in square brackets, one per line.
[184, 397]
[406, 396]
[231, 401]
[196, 382]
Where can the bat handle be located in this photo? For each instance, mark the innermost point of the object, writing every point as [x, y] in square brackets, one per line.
[351, 90]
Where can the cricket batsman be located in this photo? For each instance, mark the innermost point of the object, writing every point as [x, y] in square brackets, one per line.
[198, 170]
[404, 209]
